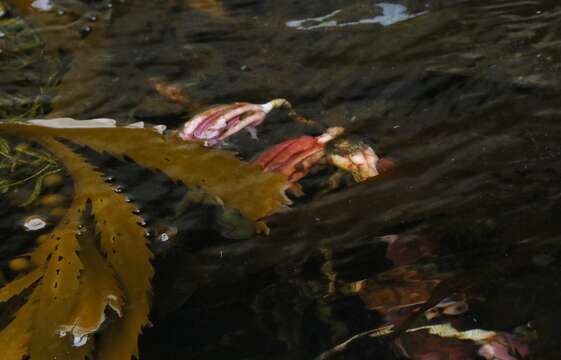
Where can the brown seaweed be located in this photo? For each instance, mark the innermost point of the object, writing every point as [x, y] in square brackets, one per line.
[76, 279]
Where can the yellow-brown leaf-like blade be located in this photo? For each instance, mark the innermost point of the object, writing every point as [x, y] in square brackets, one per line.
[126, 246]
[16, 286]
[58, 292]
[98, 290]
[240, 185]
[14, 338]
[123, 239]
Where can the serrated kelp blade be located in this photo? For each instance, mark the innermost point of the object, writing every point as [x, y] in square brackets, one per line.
[58, 292]
[240, 185]
[125, 245]
[14, 338]
[60, 286]
[99, 290]
[124, 242]
[16, 286]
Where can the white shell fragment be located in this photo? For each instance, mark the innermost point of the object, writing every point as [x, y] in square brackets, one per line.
[34, 223]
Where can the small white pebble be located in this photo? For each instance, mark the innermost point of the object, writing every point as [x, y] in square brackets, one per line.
[34, 223]
[2, 34]
[164, 237]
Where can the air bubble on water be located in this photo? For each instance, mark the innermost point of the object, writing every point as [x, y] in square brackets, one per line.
[85, 30]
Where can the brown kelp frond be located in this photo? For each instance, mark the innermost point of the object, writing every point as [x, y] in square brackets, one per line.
[18, 285]
[14, 338]
[239, 185]
[78, 282]
[128, 260]
[58, 290]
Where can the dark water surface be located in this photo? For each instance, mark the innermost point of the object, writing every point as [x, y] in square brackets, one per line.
[464, 95]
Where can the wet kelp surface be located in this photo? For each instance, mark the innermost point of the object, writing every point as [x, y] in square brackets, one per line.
[462, 235]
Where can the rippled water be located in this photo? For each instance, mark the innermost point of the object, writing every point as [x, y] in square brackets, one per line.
[464, 95]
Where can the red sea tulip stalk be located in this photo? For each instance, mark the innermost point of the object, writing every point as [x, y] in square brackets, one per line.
[220, 122]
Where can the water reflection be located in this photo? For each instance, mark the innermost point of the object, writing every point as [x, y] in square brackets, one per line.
[391, 14]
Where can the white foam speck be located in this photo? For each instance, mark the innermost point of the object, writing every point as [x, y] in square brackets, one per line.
[43, 5]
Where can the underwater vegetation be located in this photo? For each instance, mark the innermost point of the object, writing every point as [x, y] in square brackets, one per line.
[89, 284]
[24, 59]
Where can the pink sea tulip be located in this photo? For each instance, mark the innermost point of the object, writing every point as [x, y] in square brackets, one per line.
[295, 157]
[504, 346]
[220, 122]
